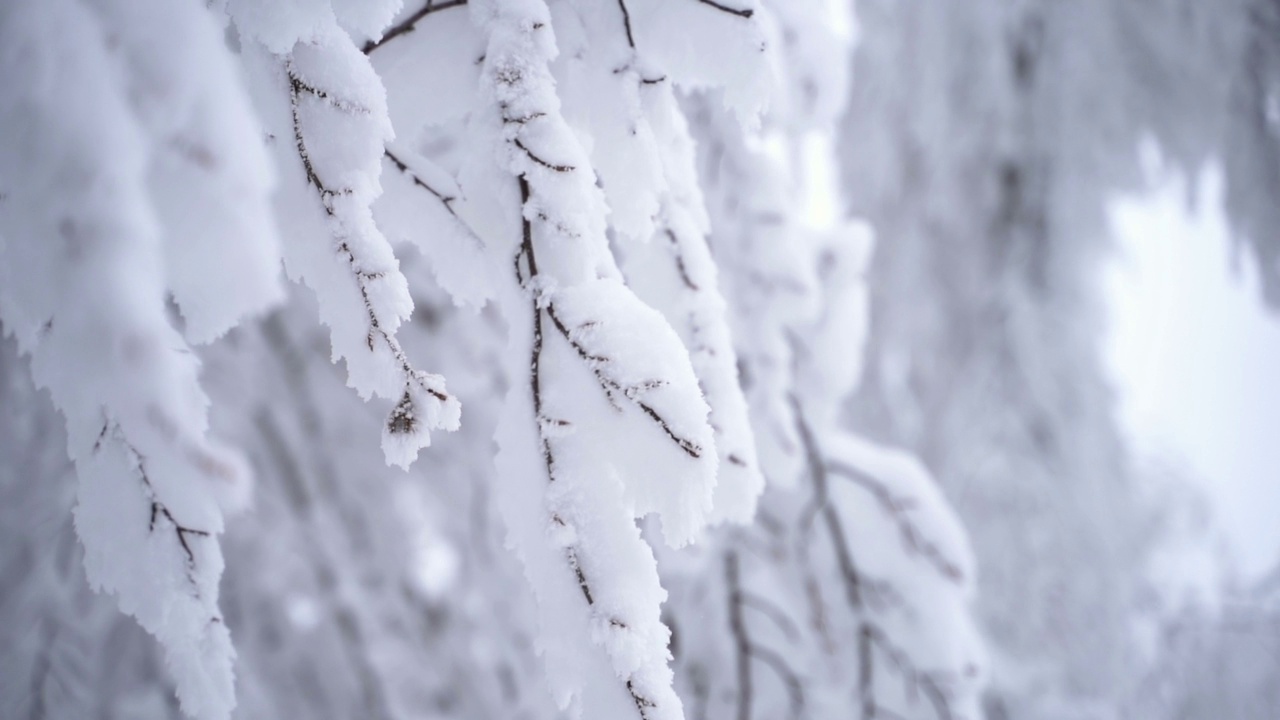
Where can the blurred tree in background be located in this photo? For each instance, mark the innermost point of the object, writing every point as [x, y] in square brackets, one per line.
[983, 141]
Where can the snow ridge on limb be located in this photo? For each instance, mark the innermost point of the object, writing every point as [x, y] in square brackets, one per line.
[608, 424]
[330, 126]
[625, 101]
[96, 206]
[420, 206]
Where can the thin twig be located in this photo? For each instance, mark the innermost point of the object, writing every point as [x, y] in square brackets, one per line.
[740, 12]
[410, 23]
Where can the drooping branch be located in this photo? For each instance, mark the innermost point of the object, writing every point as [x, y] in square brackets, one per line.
[631, 392]
[403, 418]
[771, 611]
[821, 506]
[774, 661]
[871, 637]
[696, 311]
[747, 649]
[596, 363]
[572, 553]
[898, 509]
[410, 23]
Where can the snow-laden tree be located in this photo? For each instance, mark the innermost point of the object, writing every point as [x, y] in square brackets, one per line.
[589, 217]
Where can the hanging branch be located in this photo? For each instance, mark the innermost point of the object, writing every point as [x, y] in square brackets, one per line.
[747, 650]
[597, 363]
[405, 418]
[699, 310]
[870, 635]
[899, 508]
[849, 574]
[572, 553]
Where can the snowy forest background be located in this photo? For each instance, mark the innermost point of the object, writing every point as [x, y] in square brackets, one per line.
[753, 359]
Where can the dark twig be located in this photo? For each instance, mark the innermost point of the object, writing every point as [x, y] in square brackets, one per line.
[771, 611]
[540, 161]
[740, 12]
[818, 469]
[445, 200]
[159, 511]
[410, 23]
[613, 387]
[738, 628]
[682, 268]
[748, 650]
[626, 23]
[795, 691]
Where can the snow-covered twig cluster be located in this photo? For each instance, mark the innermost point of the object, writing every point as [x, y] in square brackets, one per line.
[600, 179]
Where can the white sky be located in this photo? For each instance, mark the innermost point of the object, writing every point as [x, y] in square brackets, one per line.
[1196, 357]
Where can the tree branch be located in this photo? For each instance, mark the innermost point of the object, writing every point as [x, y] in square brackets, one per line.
[740, 12]
[626, 23]
[410, 23]
[402, 419]
[871, 637]
[445, 200]
[738, 629]
[795, 691]
[611, 386]
[159, 511]
[898, 508]
[818, 469]
[572, 555]
[771, 611]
